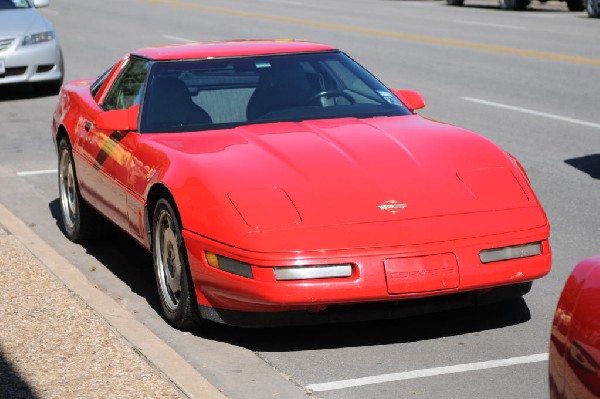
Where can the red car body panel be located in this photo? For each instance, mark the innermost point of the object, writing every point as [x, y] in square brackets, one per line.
[313, 193]
[574, 355]
[234, 48]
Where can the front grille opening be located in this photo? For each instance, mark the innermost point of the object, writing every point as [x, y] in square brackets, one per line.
[44, 68]
[15, 71]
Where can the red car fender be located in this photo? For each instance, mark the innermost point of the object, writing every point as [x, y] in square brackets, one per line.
[574, 352]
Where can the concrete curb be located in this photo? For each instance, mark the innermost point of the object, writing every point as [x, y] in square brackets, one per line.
[157, 353]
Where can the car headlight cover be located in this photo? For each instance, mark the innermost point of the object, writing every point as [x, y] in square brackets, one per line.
[512, 252]
[40, 37]
[312, 272]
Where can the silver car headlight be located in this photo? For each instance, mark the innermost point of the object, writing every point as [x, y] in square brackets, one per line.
[40, 37]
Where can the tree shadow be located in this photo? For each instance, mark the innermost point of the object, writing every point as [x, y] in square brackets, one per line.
[589, 164]
[12, 385]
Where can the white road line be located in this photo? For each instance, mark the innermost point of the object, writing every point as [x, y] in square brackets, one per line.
[532, 112]
[290, 3]
[490, 25]
[408, 375]
[179, 39]
[37, 172]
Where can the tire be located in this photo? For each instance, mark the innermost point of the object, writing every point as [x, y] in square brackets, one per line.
[455, 2]
[175, 287]
[514, 5]
[576, 5]
[593, 8]
[77, 216]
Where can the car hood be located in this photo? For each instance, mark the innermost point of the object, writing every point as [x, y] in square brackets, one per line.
[20, 22]
[325, 173]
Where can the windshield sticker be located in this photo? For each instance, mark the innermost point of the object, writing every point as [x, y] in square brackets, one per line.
[389, 97]
[262, 64]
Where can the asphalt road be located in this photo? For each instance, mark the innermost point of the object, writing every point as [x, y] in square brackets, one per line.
[530, 81]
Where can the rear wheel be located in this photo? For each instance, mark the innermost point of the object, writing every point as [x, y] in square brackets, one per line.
[76, 213]
[593, 8]
[175, 287]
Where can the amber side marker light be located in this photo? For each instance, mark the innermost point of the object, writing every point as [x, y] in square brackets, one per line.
[229, 265]
[512, 252]
[312, 272]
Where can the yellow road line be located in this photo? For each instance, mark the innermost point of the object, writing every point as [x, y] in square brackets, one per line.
[382, 33]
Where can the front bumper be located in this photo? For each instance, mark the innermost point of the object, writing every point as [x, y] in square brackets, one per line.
[30, 64]
[369, 281]
[365, 311]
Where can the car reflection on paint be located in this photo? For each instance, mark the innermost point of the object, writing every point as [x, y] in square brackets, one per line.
[574, 353]
[279, 182]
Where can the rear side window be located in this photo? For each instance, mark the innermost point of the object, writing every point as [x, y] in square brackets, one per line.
[100, 81]
[129, 85]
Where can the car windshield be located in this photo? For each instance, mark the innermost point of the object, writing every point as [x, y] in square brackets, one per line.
[10, 4]
[223, 93]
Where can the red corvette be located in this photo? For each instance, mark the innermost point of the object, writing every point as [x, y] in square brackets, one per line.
[278, 182]
[574, 355]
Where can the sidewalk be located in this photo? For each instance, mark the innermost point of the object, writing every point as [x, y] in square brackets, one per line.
[59, 342]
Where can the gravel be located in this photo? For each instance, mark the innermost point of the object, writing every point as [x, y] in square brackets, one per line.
[52, 345]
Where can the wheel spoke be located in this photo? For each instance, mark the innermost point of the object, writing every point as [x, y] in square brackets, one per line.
[67, 190]
[168, 260]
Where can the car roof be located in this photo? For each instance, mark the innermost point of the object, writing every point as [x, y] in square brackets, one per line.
[234, 48]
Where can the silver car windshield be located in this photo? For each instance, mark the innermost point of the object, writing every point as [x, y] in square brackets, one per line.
[11, 4]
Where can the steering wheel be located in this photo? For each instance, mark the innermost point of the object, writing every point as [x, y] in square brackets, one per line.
[331, 93]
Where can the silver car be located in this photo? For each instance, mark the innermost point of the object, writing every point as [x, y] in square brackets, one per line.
[29, 47]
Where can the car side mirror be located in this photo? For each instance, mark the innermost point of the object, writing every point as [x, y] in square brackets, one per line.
[40, 3]
[412, 99]
[118, 119]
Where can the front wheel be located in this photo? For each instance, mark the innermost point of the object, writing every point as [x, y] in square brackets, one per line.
[175, 287]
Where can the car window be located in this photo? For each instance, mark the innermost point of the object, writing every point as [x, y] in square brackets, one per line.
[100, 81]
[222, 93]
[9, 4]
[128, 88]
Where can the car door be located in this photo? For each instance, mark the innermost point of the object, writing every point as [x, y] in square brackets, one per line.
[110, 152]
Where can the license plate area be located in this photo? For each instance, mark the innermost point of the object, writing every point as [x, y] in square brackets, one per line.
[421, 273]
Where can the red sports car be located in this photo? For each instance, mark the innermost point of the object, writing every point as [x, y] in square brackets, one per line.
[279, 182]
[574, 356]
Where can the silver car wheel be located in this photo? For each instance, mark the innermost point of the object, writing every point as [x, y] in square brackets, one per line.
[168, 260]
[67, 190]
